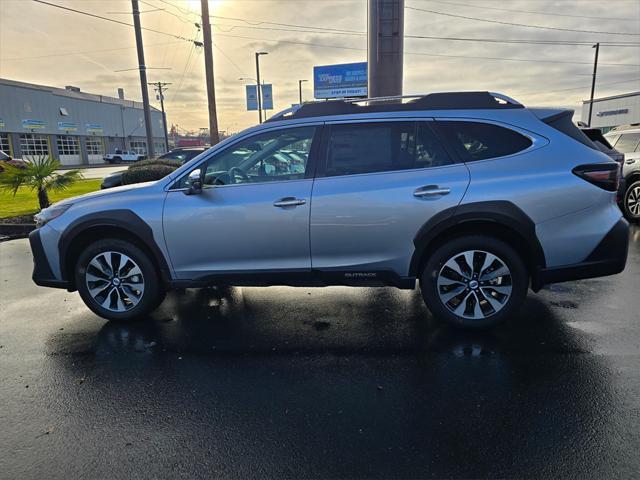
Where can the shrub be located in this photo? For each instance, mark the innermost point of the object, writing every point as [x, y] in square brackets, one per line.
[146, 173]
[143, 163]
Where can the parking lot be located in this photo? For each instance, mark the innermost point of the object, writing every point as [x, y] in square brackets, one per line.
[335, 382]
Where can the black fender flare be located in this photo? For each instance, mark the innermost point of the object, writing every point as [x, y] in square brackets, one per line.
[123, 219]
[500, 212]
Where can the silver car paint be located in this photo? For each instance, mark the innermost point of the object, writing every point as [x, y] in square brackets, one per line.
[237, 227]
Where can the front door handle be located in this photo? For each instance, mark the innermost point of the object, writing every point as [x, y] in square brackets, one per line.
[431, 191]
[630, 161]
[289, 202]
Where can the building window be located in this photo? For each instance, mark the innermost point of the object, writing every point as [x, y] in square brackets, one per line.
[158, 148]
[34, 144]
[95, 146]
[68, 145]
[4, 143]
[139, 147]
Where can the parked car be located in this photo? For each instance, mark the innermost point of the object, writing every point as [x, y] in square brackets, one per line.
[179, 155]
[626, 139]
[119, 157]
[471, 193]
[5, 158]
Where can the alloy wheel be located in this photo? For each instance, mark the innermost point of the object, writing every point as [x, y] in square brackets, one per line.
[474, 284]
[114, 281]
[633, 201]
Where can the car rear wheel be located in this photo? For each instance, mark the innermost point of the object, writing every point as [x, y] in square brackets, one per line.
[474, 282]
[632, 202]
[117, 280]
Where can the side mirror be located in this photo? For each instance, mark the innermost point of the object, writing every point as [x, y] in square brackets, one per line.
[195, 182]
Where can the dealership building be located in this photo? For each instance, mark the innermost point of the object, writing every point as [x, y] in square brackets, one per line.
[74, 127]
[610, 112]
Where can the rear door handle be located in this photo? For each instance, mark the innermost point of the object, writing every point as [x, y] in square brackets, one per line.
[630, 161]
[431, 191]
[289, 202]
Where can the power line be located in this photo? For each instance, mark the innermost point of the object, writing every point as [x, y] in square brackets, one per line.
[264, 22]
[577, 88]
[230, 59]
[519, 24]
[111, 20]
[182, 19]
[88, 51]
[554, 14]
[182, 10]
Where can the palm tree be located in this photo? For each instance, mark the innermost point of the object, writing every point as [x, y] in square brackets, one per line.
[38, 174]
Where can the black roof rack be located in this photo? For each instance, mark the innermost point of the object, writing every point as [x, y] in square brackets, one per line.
[432, 101]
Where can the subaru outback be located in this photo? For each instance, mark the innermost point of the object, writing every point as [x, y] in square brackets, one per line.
[470, 194]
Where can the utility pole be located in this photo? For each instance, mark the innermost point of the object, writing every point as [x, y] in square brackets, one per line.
[385, 41]
[143, 78]
[300, 89]
[258, 86]
[208, 68]
[593, 81]
[159, 86]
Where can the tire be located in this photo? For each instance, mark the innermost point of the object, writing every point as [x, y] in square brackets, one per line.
[631, 202]
[474, 302]
[117, 160]
[120, 300]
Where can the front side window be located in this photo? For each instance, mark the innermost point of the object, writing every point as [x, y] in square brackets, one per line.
[272, 156]
[380, 147]
[480, 141]
[627, 142]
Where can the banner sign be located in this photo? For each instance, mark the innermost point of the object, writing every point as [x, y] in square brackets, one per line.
[67, 126]
[252, 97]
[267, 96]
[94, 128]
[29, 124]
[340, 81]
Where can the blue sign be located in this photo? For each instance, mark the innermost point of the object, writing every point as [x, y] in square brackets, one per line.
[252, 97]
[67, 126]
[32, 124]
[267, 96]
[340, 81]
[94, 128]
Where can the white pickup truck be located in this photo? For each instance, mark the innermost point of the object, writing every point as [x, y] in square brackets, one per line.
[120, 157]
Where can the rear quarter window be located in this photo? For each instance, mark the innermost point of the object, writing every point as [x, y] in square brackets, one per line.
[475, 141]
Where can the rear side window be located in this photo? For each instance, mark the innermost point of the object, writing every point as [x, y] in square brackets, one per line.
[380, 147]
[627, 142]
[479, 141]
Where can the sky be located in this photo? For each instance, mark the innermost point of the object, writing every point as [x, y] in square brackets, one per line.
[46, 45]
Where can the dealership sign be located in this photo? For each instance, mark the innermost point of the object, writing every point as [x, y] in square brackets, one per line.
[67, 127]
[340, 81]
[608, 113]
[29, 124]
[94, 128]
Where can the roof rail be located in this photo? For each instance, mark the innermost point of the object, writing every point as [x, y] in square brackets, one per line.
[432, 101]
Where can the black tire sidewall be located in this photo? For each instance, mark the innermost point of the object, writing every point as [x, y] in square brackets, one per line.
[519, 277]
[152, 287]
[631, 217]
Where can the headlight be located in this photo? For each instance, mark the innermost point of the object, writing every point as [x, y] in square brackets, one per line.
[48, 214]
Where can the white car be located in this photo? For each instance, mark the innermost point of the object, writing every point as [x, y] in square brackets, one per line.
[120, 157]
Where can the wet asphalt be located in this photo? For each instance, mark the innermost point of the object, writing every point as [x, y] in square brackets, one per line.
[318, 383]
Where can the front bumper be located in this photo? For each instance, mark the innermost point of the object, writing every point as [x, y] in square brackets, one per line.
[42, 273]
[608, 258]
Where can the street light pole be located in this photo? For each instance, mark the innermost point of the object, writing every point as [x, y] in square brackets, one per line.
[258, 86]
[300, 89]
[593, 82]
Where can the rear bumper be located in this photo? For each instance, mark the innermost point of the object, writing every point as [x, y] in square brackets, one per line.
[608, 258]
[42, 273]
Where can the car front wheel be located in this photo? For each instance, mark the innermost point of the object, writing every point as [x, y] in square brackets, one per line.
[117, 280]
[474, 282]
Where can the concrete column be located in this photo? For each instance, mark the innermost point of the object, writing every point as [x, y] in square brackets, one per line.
[385, 47]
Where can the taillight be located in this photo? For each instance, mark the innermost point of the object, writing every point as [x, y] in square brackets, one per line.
[603, 175]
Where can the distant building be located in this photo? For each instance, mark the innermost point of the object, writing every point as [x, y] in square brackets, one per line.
[609, 112]
[74, 127]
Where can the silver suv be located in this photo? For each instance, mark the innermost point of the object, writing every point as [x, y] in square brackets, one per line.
[471, 193]
[626, 139]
